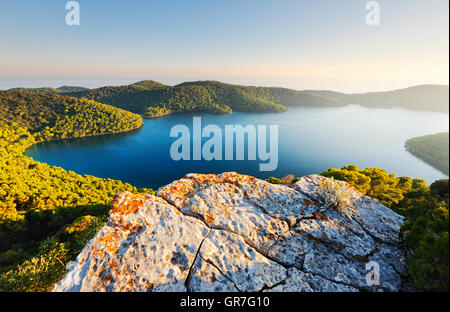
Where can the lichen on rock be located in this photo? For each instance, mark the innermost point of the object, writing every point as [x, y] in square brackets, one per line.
[231, 232]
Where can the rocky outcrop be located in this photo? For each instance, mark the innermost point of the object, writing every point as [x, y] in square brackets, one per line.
[232, 232]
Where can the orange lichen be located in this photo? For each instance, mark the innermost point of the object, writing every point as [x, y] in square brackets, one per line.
[113, 264]
[269, 236]
[148, 285]
[179, 192]
[98, 252]
[320, 216]
[351, 187]
[209, 217]
[108, 278]
[109, 241]
[129, 204]
[186, 186]
[131, 284]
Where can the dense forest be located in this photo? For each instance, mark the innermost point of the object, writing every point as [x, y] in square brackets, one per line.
[153, 99]
[425, 209]
[42, 206]
[209, 96]
[433, 149]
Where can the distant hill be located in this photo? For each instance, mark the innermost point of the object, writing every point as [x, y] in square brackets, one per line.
[232, 95]
[433, 149]
[71, 89]
[423, 97]
[49, 90]
[154, 99]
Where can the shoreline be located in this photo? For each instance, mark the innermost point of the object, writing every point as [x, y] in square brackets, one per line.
[154, 117]
[81, 137]
[434, 163]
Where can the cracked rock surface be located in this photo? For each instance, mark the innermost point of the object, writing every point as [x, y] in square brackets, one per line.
[232, 232]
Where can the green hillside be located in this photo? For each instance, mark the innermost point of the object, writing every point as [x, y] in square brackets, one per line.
[153, 99]
[37, 200]
[433, 149]
[210, 97]
[246, 98]
[49, 116]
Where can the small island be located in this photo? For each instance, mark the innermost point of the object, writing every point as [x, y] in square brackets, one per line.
[155, 112]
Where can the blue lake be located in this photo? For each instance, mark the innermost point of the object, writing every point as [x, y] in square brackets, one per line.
[311, 140]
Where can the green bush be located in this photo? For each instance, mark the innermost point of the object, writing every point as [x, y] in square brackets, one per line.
[274, 180]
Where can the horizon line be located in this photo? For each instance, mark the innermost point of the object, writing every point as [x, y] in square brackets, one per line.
[192, 79]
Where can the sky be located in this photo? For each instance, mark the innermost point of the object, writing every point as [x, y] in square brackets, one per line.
[300, 44]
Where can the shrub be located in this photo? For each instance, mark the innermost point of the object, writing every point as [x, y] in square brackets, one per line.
[274, 180]
[337, 196]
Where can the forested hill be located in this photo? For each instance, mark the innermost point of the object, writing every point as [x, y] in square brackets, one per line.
[153, 99]
[231, 95]
[26, 118]
[423, 97]
[50, 116]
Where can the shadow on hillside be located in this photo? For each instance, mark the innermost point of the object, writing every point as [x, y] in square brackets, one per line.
[39, 224]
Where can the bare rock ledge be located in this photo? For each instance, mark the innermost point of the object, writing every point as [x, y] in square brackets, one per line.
[231, 232]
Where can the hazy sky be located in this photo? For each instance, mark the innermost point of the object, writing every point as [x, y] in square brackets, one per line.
[314, 44]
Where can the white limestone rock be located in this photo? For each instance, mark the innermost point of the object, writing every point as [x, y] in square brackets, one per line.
[232, 232]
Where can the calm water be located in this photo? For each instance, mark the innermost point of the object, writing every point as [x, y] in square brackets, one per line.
[311, 140]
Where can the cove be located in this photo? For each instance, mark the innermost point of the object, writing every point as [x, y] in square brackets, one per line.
[311, 140]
